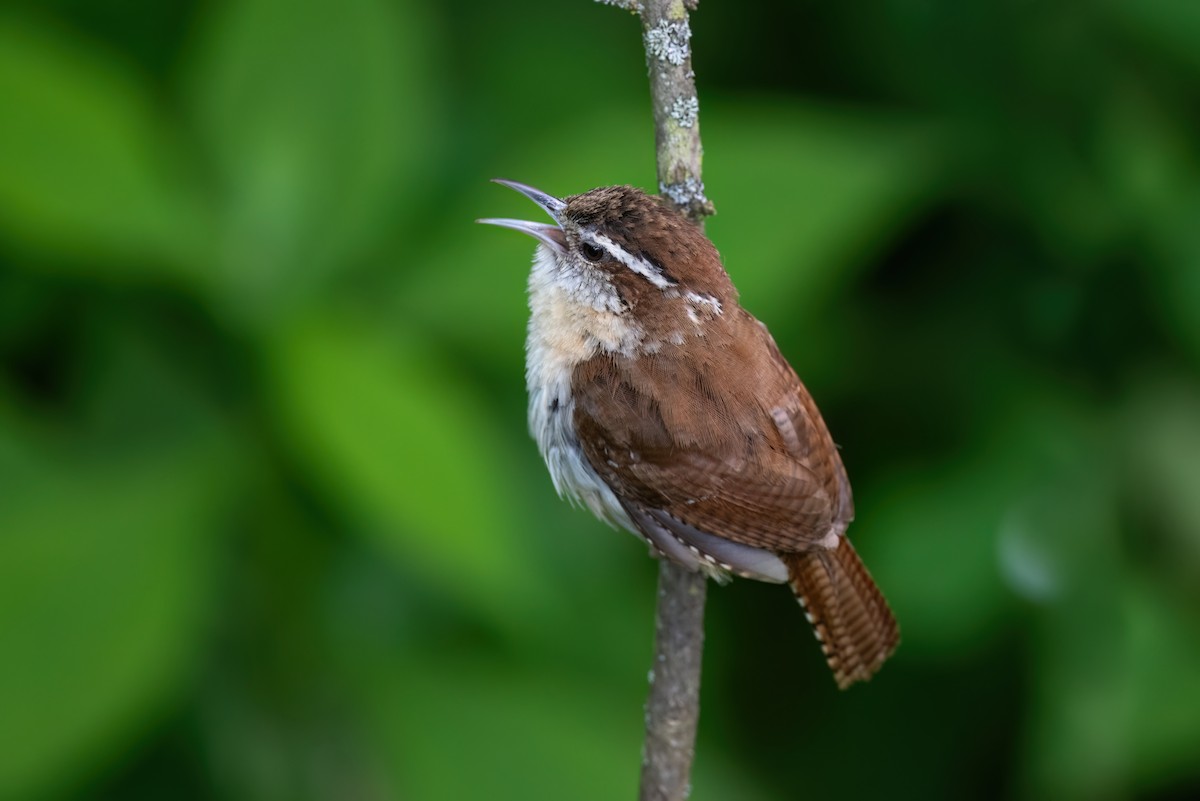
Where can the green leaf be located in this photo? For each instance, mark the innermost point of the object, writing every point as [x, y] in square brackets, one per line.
[1162, 433]
[85, 168]
[930, 538]
[104, 571]
[953, 544]
[468, 286]
[1079, 719]
[315, 114]
[1175, 266]
[1164, 650]
[805, 195]
[531, 734]
[1144, 157]
[1170, 27]
[402, 442]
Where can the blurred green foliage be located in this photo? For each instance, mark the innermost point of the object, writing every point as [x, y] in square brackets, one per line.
[270, 523]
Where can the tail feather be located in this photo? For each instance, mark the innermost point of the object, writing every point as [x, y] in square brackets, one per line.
[848, 613]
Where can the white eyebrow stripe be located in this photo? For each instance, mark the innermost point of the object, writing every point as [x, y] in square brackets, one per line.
[638, 265]
[702, 299]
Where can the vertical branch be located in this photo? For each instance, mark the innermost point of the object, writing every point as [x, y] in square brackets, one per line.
[673, 706]
[667, 37]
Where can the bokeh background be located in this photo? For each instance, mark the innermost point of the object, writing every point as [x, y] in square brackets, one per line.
[271, 526]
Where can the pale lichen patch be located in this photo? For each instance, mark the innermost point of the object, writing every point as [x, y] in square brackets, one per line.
[685, 110]
[628, 5]
[685, 193]
[669, 41]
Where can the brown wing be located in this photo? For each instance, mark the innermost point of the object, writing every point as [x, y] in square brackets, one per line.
[747, 458]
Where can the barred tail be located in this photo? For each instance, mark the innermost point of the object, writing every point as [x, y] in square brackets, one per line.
[848, 612]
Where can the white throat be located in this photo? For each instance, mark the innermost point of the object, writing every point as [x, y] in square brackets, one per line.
[572, 318]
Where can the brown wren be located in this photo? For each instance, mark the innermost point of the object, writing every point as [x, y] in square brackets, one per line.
[667, 409]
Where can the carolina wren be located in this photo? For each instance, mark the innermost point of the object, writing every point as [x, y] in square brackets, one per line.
[667, 409]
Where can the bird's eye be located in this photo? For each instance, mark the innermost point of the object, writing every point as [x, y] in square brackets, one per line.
[591, 252]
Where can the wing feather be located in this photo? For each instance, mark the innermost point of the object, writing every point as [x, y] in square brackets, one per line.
[749, 460]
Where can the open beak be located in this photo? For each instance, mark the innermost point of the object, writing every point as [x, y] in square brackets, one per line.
[552, 235]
